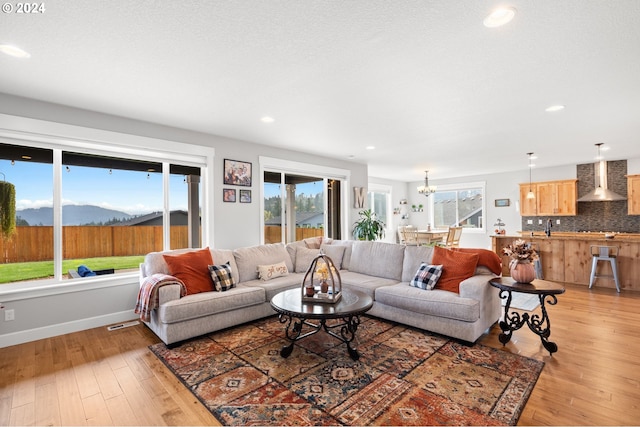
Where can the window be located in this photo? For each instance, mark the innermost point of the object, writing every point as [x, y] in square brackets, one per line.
[112, 209]
[459, 204]
[380, 203]
[302, 200]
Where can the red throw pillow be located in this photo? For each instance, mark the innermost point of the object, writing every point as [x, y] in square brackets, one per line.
[487, 258]
[193, 269]
[456, 267]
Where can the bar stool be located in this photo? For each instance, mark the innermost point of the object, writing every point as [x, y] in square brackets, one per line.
[604, 253]
[537, 264]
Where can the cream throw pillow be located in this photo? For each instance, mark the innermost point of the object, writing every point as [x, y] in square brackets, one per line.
[268, 272]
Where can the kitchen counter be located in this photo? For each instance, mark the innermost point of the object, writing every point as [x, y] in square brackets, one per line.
[566, 256]
[583, 235]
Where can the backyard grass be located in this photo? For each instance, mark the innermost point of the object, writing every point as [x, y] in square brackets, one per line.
[44, 269]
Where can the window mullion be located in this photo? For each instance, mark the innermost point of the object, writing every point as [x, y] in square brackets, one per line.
[57, 214]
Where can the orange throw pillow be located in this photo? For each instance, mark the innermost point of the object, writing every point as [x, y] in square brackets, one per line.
[456, 267]
[487, 258]
[193, 269]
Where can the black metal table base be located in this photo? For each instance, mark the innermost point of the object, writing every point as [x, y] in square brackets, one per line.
[347, 334]
[539, 325]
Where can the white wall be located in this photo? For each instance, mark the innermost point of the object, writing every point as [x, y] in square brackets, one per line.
[69, 307]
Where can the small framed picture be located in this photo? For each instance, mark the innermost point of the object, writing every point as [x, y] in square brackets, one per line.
[502, 203]
[237, 173]
[229, 195]
[245, 196]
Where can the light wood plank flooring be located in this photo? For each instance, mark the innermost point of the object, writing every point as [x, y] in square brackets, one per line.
[96, 377]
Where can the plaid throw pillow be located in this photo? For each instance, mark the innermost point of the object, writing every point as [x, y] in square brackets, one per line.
[222, 278]
[427, 276]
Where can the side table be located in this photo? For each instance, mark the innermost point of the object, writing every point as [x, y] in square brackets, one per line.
[540, 326]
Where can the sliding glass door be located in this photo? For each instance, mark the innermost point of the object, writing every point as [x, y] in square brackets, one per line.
[294, 206]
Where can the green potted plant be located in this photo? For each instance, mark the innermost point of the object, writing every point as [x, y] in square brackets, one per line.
[368, 227]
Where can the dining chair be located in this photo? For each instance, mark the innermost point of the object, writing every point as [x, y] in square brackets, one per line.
[410, 235]
[453, 237]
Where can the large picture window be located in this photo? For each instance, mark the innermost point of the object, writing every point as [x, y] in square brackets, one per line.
[459, 205]
[108, 211]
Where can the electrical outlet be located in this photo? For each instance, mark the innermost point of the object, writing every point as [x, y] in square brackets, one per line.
[557, 221]
[529, 221]
[9, 315]
[539, 222]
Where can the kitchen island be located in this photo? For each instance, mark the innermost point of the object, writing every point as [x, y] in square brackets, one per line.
[566, 256]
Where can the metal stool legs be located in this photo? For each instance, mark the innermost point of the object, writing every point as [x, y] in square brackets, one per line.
[604, 253]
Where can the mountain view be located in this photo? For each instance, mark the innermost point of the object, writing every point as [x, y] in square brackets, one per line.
[71, 215]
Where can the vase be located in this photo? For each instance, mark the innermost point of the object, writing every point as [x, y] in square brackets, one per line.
[324, 287]
[523, 272]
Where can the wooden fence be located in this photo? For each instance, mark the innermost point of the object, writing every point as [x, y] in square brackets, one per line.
[273, 233]
[36, 243]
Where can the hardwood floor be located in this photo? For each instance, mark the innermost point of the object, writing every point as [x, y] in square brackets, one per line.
[96, 377]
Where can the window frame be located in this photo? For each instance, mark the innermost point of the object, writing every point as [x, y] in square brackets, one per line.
[387, 190]
[61, 137]
[272, 164]
[462, 187]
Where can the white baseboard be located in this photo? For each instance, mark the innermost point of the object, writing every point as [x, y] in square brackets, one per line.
[21, 337]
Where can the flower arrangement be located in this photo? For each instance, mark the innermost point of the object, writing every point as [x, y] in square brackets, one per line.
[520, 251]
[323, 271]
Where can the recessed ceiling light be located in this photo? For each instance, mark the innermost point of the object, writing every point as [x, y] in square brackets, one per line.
[267, 119]
[554, 108]
[14, 51]
[499, 17]
[370, 147]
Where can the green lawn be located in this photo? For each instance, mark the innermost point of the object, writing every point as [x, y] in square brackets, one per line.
[44, 269]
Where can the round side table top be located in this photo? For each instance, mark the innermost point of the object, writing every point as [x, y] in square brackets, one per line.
[537, 286]
[352, 302]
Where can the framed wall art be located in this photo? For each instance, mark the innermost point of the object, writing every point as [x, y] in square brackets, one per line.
[245, 196]
[237, 173]
[229, 195]
[502, 203]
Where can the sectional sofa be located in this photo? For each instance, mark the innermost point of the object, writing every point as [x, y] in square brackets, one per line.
[382, 270]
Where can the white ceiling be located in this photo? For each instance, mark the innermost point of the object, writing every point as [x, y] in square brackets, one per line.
[423, 81]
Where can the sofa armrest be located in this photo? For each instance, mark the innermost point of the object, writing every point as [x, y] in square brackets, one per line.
[168, 293]
[476, 287]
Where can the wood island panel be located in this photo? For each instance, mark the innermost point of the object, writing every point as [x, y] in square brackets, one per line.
[566, 257]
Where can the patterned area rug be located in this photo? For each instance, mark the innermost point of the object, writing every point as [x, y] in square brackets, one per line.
[404, 376]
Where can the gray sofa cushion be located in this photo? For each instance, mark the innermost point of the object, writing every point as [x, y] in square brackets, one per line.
[413, 257]
[207, 303]
[363, 282]
[279, 284]
[248, 259]
[436, 302]
[378, 259]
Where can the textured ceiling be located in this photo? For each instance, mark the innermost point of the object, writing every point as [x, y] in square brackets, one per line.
[423, 81]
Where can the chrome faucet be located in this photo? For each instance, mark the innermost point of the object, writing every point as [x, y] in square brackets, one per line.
[547, 227]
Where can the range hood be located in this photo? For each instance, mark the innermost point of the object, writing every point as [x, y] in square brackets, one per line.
[601, 193]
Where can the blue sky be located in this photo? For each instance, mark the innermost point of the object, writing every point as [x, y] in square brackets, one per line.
[131, 192]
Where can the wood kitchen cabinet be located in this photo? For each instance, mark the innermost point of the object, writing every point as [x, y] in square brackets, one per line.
[528, 206]
[633, 194]
[553, 198]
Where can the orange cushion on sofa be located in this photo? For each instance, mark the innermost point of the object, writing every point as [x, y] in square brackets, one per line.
[456, 267]
[193, 269]
[487, 258]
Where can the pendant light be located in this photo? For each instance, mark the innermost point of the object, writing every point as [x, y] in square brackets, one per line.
[530, 194]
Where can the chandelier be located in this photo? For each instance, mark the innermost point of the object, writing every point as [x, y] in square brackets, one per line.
[426, 189]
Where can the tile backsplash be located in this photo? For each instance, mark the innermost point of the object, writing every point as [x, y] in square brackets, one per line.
[595, 216]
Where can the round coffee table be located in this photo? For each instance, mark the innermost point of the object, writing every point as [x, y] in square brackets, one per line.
[295, 313]
[540, 326]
